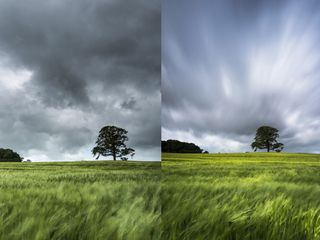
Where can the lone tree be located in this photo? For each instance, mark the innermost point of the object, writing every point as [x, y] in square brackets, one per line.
[266, 138]
[111, 142]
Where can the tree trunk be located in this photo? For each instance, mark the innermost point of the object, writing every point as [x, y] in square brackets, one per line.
[268, 147]
[114, 153]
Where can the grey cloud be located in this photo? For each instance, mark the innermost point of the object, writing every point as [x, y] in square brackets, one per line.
[129, 104]
[236, 65]
[70, 44]
[86, 58]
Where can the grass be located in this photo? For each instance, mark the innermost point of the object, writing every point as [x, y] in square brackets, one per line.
[80, 200]
[195, 196]
[241, 196]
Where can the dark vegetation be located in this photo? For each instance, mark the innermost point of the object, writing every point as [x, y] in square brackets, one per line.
[266, 138]
[8, 155]
[111, 142]
[175, 146]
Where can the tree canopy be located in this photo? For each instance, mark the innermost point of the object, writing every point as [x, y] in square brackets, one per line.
[175, 146]
[111, 142]
[266, 138]
[8, 155]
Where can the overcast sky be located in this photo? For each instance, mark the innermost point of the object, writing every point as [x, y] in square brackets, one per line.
[68, 68]
[230, 66]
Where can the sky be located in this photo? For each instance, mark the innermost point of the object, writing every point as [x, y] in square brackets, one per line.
[70, 67]
[230, 66]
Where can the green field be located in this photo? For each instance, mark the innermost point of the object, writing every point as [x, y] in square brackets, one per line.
[241, 196]
[203, 196]
[80, 200]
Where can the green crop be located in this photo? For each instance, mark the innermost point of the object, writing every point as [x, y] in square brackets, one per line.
[241, 196]
[195, 196]
[81, 200]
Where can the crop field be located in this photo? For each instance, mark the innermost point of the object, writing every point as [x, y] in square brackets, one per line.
[241, 196]
[80, 200]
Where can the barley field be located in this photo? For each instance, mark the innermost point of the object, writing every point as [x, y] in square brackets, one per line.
[241, 196]
[194, 196]
[80, 200]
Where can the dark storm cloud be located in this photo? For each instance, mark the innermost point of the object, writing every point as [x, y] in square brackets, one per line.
[236, 65]
[129, 104]
[97, 62]
[70, 44]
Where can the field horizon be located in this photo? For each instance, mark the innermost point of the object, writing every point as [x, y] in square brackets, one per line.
[90, 160]
[246, 153]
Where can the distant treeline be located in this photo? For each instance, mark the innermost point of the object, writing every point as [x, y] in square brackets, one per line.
[7, 155]
[175, 146]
